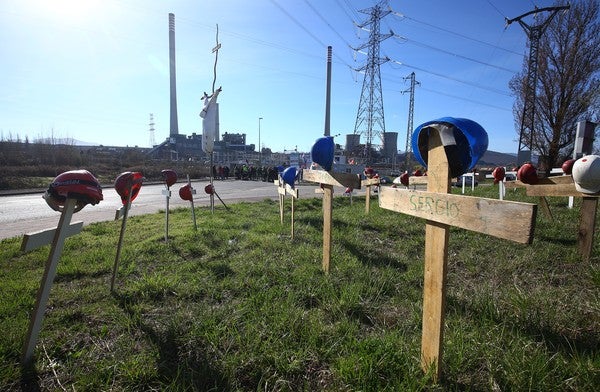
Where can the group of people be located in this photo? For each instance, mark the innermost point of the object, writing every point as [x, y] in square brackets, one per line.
[245, 172]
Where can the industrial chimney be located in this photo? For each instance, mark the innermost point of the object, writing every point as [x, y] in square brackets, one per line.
[174, 129]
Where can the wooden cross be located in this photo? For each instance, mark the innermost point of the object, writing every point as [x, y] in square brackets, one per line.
[33, 241]
[285, 189]
[564, 186]
[368, 183]
[509, 220]
[328, 180]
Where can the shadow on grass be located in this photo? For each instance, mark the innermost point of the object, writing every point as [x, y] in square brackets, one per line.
[584, 345]
[178, 367]
[374, 258]
[29, 378]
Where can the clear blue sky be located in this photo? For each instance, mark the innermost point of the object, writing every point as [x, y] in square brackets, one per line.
[93, 70]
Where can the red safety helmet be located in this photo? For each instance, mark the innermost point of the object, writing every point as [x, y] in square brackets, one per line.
[185, 192]
[169, 176]
[369, 172]
[499, 173]
[527, 174]
[404, 178]
[417, 173]
[75, 184]
[209, 189]
[567, 166]
[126, 181]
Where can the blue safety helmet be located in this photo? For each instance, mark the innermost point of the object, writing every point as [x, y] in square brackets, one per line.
[322, 152]
[464, 140]
[289, 175]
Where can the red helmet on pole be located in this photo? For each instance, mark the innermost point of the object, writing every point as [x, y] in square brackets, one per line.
[75, 184]
[527, 174]
[499, 173]
[127, 181]
[185, 192]
[169, 176]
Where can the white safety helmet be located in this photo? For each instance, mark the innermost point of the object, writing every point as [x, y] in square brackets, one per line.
[586, 174]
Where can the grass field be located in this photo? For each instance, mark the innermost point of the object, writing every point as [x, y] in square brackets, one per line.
[240, 306]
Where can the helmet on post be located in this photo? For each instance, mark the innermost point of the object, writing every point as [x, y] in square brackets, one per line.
[586, 174]
[322, 152]
[185, 192]
[80, 185]
[169, 176]
[567, 166]
[404, 179]
[126, 181]
[464, 140]
[527, 174]
[499, 173]
[209, 189]
[289, 175]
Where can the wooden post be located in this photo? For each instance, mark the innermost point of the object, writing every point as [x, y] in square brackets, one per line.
[63, 230]
[587, 226]
[368, 183]
[167, 193]
[125, 210]
[436, 256]
[328, 180]
[327, 223]
[292, 217]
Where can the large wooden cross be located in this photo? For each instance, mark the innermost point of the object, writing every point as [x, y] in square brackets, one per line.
[328, 180]
[509, 220]
[33, 241]
[285, 189]
[564, 186]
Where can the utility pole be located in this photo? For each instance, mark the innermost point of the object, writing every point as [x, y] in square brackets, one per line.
[411, 110]
[370, 120]
[534, 33]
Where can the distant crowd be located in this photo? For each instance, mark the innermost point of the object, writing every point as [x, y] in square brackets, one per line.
[247, 172]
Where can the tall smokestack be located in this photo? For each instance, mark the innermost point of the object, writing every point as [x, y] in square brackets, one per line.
[328, 94]
[174, 125]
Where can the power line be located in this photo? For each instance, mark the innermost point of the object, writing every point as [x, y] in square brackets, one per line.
[494, 90]
[465, 99]
[453, 54]
[326, 22]
[457, 34]
[307, 31]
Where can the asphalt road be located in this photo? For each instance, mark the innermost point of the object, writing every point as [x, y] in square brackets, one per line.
[27, 213]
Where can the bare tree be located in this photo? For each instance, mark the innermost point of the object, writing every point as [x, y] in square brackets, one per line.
[568, 84]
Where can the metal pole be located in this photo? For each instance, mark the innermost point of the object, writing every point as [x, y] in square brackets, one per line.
[259, 148]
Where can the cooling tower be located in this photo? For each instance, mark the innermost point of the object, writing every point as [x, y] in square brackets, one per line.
[390, 145]
[352, 142]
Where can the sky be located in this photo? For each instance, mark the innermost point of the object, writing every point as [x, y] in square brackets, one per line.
[94, 70]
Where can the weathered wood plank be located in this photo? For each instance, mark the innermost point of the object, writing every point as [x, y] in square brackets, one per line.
[499, 218]
[436, 260]
[417, 180]
[327, 223]
[40, 238]
[587, 226]
[331, 178]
